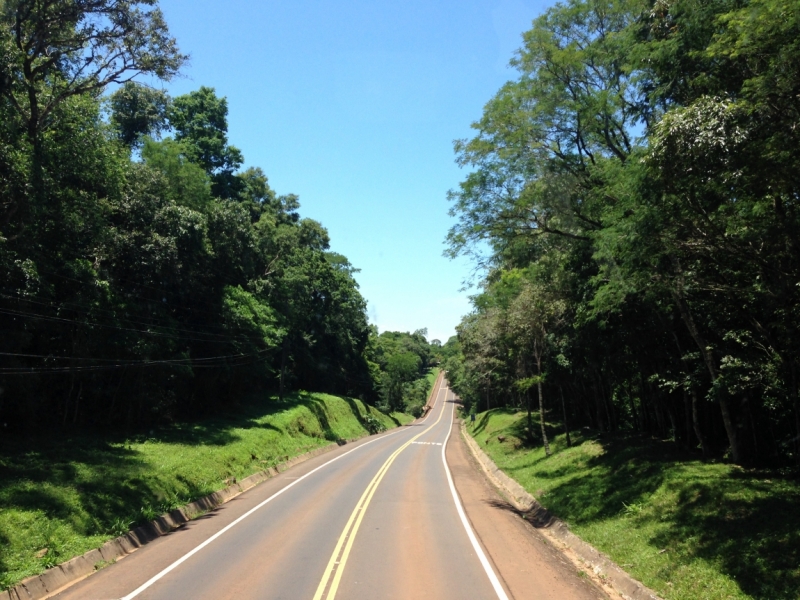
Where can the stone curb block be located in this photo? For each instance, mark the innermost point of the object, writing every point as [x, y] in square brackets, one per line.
[56, 578]
[627, 587]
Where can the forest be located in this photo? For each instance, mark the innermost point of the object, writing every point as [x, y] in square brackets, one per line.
[632, 205]
[145, 274]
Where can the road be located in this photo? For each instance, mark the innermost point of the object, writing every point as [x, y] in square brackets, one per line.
[403, 515]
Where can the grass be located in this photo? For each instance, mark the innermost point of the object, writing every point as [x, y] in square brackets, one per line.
[433, 373]
[688, 529]
[60, 497]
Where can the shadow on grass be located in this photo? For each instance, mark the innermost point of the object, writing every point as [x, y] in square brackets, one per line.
[483, 421]
[356, 411]
[394, 420]
[747, 524]
[95, 483]
[754, 534]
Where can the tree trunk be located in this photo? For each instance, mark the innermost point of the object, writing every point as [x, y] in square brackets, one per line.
[598, 409]
[541, 407]
[530, 418]
[66, 402]
[566, 423]
[636, 424]
[696, 423]
[796, 413]
[687, 414]
[116, 394]
[603, 402]
[77, 404]
[642, 406]
[281, 385]
[672, 421]
[705, 351]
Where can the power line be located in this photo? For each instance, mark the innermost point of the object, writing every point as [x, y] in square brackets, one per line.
[55, 304]
[239, 361]
[161, 291]
[130, 361]
[102, 326]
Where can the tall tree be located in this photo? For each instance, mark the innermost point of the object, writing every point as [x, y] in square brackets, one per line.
[200, 121]
[52, 50]
[138, 111]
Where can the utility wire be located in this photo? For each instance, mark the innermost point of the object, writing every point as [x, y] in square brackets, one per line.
[55, 304]
[102, 326]
[161, 291]
[131, 361]
[239, 361]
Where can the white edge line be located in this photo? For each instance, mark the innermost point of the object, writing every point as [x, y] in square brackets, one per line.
[498, 588]
[197, 549]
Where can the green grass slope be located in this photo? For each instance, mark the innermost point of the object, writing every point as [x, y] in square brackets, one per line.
[688, 529]
[60, 497]
[433, 373]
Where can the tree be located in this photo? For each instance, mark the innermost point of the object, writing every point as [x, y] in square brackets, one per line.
[643, 168]
[401, 369]
[138, 111]
[200, 121]
[53, 50]
[534, 315]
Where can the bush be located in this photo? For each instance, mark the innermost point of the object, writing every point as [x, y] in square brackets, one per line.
[373, 425]
[415, 396]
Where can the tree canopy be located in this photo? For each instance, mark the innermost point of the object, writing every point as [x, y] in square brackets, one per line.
[641, 173]
[145, 275]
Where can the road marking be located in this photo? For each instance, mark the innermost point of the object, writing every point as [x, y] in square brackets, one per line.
[197, 549]
[498, 588]
[335, 568]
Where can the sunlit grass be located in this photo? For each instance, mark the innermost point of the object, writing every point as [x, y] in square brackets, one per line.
[688, 529]
[433, 373]
[60, 497]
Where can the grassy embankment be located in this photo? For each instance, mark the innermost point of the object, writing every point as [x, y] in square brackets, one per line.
[433, 373]
[60, 497]
[688, 529]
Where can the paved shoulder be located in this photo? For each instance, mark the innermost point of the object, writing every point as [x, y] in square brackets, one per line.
[529, 566]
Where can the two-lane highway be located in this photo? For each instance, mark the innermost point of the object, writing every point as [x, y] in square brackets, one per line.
[379, 519]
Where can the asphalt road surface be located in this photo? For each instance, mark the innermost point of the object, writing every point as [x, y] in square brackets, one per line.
[403, 515]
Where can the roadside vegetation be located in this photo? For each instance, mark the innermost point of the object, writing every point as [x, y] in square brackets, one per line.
[686, 528]
[633, 194]
[633, 350]
[61, 496]
[633, 197]
[145, 273]
[151, 287]
[404, 363]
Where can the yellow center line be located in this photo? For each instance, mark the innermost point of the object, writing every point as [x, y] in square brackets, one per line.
[335, 567]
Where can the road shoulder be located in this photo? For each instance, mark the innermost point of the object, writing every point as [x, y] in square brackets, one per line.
[529, 565]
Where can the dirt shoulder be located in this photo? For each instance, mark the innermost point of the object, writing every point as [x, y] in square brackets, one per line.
[529, 566]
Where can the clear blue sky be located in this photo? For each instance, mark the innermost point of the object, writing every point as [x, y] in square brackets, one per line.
[354, 107]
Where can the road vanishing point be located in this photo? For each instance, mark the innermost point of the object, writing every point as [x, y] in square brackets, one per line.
[403, 515]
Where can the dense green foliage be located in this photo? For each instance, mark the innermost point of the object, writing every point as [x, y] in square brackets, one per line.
[687, 528]
[64, 495]
[402, 362]
[637, 189]
[144, 275]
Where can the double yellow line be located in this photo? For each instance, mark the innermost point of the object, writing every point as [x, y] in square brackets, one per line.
[335, 567]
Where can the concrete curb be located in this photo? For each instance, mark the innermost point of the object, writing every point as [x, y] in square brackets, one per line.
[64, 575]
[555, 529]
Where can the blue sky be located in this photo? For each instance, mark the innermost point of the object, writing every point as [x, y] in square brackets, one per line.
[354, 107]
